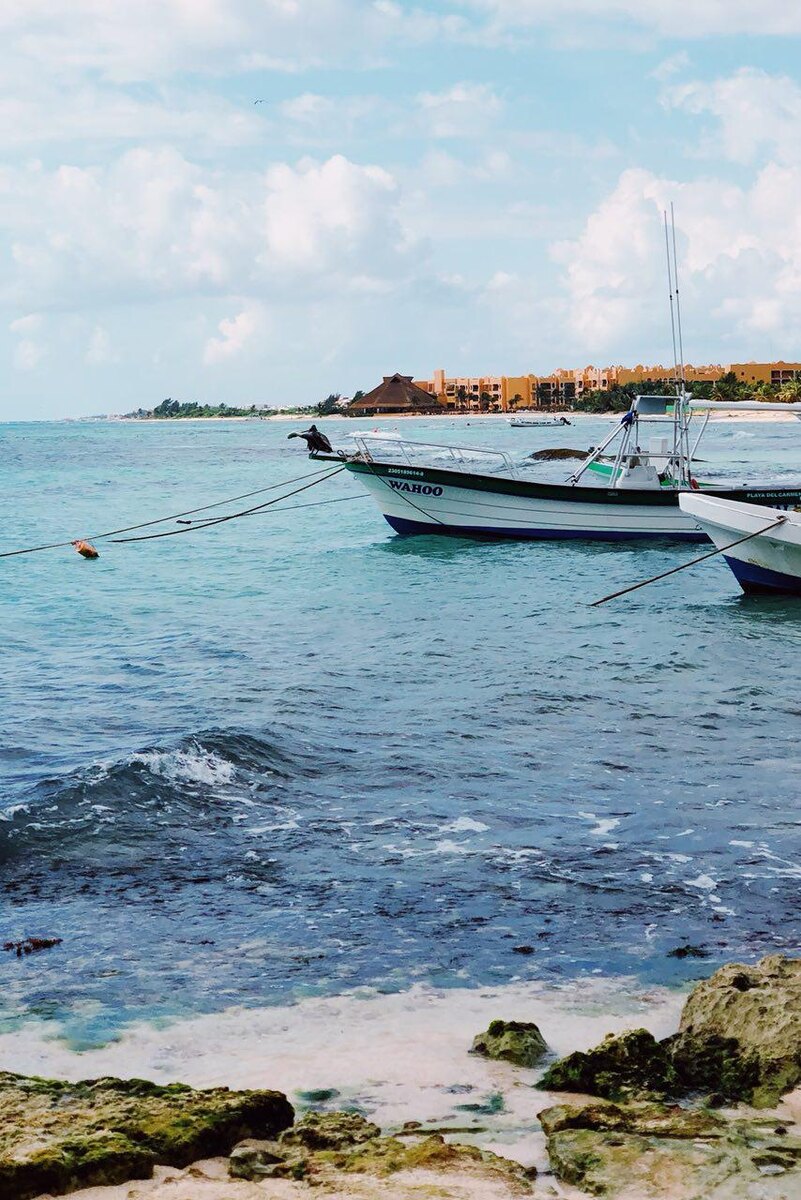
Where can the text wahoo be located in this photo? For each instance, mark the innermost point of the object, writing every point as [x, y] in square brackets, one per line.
[420, 489]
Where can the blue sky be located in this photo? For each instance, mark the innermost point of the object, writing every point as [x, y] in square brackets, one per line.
[472, 185]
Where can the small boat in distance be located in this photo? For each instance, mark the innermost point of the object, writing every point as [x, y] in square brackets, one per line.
[761, 545]
[538, 422]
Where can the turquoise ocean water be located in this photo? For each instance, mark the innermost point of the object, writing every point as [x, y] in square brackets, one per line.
[295, 754]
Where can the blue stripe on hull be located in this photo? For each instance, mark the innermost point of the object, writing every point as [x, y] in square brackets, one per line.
[402, 525]
[761, 581]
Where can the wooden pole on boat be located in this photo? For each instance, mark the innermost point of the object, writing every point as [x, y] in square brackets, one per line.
[693, 562]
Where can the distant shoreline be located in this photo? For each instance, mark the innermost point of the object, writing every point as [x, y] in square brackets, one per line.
[731, 415]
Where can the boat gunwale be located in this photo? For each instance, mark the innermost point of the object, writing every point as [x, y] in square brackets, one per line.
[759, 494]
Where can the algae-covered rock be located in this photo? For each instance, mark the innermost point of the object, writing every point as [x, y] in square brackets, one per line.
[714, 1066]
[747, 1020]
[57, 1136]
[631, 1064]
[253, 1159]
[330, 1131]
[518, 1042]
[388, 1156]
[325, 1146]
[661, 1120]
[652, 1152]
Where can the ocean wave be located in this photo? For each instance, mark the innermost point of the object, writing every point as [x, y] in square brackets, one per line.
[109, 808]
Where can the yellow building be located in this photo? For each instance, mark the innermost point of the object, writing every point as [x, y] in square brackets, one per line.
[507, 393]
[775, 373]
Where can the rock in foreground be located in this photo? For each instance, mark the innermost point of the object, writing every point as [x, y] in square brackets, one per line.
[325, 1148]
[739, 1041]
[652, 1152]
[518, 1042]
[756, 1011]
[56, 1137]
[634, 1063]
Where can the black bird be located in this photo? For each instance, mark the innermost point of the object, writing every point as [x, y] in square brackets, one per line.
[314, 440]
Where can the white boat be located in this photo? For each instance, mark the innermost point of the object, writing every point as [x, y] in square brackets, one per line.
[761, 545]
[457, 490]
[538, 422]
[631, 493]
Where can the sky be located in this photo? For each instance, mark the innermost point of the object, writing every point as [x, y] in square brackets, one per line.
[265, 201]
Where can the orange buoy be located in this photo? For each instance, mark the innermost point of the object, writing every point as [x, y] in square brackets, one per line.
[85, 549]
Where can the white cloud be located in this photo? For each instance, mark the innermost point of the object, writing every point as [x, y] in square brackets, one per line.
[678, 18]
[674, 64]
[99, 352]
[28, 354]
[152, 224]
[321, 213]
[41, 112]
[740, 263]
[308, 107]
[235, 333]
[464, 110]
[155, 39]
[27, 324]
[755, 111]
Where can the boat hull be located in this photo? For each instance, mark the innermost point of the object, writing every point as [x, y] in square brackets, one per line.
[768, 563]
[423, 500]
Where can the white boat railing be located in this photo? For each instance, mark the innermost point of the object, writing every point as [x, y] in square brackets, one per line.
[413, 456]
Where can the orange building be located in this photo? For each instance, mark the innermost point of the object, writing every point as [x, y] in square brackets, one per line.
[506, 393]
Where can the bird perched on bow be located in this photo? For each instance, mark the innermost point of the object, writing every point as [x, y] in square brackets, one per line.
[314, 440]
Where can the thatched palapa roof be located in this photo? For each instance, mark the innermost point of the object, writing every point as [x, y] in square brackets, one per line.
[397, 393]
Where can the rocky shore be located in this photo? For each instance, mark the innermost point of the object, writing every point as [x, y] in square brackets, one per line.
[707, 1113]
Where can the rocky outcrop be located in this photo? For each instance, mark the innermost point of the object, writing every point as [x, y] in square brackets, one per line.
[652, 1151]
[518, 1042]
[56, 1136]
[325, 1146]
[330, 1131]
[632, 1064]
[748, 1019]
[739, 1041]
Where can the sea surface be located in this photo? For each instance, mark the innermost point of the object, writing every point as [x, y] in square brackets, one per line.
[294, 757]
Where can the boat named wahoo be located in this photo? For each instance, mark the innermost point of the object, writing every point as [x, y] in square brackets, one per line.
[633, 493]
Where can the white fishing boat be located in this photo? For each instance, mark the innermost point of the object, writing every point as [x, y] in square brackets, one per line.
[538, 422]
[633, 493]
[761, 545]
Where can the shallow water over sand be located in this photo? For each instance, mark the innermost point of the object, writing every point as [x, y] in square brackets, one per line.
[296, 755]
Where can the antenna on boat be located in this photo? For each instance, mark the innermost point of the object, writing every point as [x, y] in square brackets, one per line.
[678, 302]
[670, 293]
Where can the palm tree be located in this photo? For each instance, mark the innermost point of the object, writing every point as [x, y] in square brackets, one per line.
[790, 392]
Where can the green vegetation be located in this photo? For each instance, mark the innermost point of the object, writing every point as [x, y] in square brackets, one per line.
[171, 410]
[330, 406]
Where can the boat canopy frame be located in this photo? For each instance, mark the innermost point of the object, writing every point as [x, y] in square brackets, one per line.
[408, 449]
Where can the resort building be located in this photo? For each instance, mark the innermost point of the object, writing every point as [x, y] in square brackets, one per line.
[397, 393]
[506, 393]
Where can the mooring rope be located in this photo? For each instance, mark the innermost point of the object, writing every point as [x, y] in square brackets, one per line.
[246, 512]
[693, 562]
[381, 479]
[173, 516]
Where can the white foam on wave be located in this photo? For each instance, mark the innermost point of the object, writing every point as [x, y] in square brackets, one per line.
[465, 825]
[398, 1056]
[193, 765]
[603, 825]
